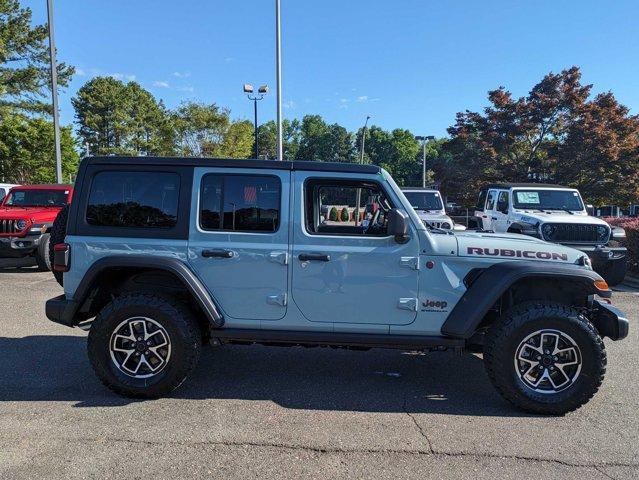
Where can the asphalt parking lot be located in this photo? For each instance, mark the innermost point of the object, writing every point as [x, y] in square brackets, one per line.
[261, 412]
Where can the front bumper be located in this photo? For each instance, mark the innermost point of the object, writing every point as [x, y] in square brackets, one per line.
[602, 254]
[610, 321]
[61, 310]
[15, 247]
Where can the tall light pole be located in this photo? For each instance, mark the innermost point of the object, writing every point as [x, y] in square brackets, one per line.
[424, 140]
[54, 94]
[361, 159]
[358, 198]
[278, 71]
[263, 90]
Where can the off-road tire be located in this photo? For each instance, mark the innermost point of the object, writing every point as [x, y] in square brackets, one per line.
[174, 317]
[504, 337]
[42, 254]
[614, 271]
[58, 232]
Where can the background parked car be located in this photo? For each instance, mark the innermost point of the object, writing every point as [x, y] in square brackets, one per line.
[26, 216]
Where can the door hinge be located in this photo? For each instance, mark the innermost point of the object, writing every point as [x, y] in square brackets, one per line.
[407, 304]
[280, 299]
[278, 257]
[410, 262]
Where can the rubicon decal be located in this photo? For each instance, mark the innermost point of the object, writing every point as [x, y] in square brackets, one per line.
[506, 252]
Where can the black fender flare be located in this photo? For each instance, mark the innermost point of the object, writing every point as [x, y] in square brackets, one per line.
[168, 264]
[491, 284]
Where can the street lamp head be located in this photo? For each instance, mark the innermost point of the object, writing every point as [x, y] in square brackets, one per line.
[248, 88]
[263, 89]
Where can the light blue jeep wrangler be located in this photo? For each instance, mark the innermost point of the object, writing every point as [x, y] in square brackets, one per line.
[162, 255]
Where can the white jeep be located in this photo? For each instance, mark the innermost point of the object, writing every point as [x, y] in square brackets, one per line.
[556, 214]
[430, 209]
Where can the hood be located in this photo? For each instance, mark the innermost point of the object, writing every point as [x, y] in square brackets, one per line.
[511, 246]
[432, 215]
[37, 214]
[557, 216]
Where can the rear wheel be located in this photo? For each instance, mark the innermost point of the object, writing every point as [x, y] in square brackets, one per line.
[143, 346]
[42, 254]
[58, 232]
[545, 358]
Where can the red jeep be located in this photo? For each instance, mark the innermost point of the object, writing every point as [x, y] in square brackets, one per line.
[26, 216]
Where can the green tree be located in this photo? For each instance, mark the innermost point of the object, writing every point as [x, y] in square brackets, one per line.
[200, 128]
[27, 150]
[122, 118]
[24, 62]
[323, 142]
[238, 140]
[395, 151]
[267, 137]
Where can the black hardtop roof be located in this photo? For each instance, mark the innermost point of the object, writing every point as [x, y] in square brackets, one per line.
[234, 163]
[506, 186]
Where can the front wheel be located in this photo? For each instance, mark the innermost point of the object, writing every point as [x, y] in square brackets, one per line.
[545, 358]
[614, 271]
[42, 254]
[143, 346]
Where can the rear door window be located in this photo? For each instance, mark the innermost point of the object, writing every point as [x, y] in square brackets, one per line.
[133, 199]
[240, 203]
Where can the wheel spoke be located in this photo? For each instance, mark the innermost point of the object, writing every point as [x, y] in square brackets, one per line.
[129, 351]
[548, 361]
[551, 346]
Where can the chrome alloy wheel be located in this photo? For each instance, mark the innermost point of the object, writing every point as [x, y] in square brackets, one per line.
[548, 361]
[140, 347]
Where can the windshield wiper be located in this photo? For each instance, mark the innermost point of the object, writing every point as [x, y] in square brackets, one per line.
[563, 210]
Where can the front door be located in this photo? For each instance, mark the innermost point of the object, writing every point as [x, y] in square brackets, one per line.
[239, 239]
[500, 215]
[345, 267]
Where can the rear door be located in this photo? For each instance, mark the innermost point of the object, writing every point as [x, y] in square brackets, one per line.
[238, 242]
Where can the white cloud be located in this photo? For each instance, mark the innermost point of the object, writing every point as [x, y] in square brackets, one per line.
[161, 84]
[362, 98]
[289, 104]
[343, 100]
[80, 73]
[188, 89]
[182, 74]
[118, 76]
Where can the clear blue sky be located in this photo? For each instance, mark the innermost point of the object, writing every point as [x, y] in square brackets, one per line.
[408, 63]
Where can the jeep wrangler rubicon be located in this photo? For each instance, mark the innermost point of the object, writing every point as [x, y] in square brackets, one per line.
[162, 255]
[26, 216]
[555, 214]
[430, 208]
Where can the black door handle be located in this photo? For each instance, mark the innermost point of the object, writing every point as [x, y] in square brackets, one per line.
[318, 257]
[494, 218]
[217, 253]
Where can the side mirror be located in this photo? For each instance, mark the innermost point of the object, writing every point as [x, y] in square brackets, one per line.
[398, 225]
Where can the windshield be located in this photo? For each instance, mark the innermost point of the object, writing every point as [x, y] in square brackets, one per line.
[424, 200]
[548, 200]
[37, 198]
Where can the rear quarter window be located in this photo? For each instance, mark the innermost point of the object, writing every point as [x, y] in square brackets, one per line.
[134, 199]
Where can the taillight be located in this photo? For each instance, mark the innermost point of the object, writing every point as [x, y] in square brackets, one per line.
[61, 257]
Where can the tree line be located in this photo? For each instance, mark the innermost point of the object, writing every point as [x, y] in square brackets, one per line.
[558, 133]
